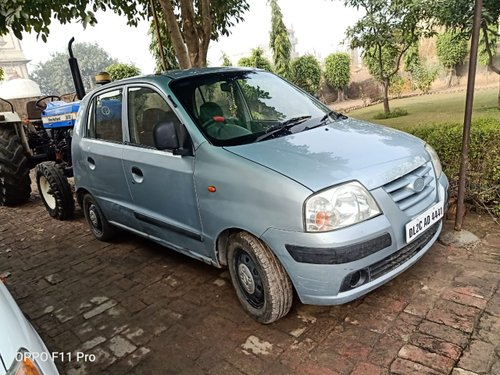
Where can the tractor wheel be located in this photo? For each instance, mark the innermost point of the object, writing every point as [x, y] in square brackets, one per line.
[15, 183]
[55, 190]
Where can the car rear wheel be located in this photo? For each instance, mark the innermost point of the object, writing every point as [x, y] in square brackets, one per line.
[55, 190]
[261, 283]
[99, 226]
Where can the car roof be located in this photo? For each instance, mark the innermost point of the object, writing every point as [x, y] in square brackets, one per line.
[184, 73]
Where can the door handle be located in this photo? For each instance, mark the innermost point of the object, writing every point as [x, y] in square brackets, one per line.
[137, 175]
[91, 163]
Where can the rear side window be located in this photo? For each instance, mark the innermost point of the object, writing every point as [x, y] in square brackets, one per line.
[105, 118]
[146, 109]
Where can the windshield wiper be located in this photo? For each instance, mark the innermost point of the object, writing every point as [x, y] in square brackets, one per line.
[283, 126]
[326, 117]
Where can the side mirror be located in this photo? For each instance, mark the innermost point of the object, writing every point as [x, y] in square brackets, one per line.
[165, 136]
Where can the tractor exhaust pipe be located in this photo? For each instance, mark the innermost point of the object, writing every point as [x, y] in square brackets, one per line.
[75, 72]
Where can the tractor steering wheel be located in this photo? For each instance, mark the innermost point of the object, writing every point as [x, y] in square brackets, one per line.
[41, 106]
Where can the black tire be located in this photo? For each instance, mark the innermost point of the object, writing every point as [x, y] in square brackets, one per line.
[55, 190]
[15, 183]
[261, 283]
[99, 225]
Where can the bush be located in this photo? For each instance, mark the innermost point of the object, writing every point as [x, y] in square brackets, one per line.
[306, 73]
[483, 172]
[397, 112]
[121, 71]
[423, 77]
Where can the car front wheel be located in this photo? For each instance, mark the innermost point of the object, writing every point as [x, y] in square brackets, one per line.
[261, 283]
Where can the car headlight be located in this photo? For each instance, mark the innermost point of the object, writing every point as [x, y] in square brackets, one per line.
[339, 207]
[24, 364]
[438, 169]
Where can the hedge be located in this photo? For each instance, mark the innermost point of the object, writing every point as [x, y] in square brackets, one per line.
[483, 173]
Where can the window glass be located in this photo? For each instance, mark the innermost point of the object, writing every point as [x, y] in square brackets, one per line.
[238, 107]
[106, 117]
[146, 108]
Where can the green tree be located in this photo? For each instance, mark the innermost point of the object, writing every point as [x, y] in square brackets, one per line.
[305, 72]
[422, 76]
[191, 24]
[1, 73]
[338, 72]
[451, 51]
[225, 60]
[457, 15]
[279, 41]
[256, 60]
[54, 76]
[386, 31]
[165, 42]
[120, 71]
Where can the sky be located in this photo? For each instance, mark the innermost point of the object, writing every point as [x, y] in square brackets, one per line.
[319, 29]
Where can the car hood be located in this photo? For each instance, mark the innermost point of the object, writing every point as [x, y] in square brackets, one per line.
[341, 151]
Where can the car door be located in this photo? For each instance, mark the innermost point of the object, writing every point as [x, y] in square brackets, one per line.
[102, 148]
[161, 183]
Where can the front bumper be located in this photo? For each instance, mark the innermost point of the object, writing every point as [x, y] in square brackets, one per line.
[324, 282]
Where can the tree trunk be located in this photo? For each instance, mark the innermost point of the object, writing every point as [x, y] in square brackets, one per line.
[175, 34]
[387, 110]
[450, 76]
[498, 92]
[340, 95]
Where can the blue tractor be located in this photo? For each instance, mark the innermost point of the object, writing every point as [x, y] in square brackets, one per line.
[42, 142]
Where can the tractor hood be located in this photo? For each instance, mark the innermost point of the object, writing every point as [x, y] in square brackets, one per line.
[340, 151]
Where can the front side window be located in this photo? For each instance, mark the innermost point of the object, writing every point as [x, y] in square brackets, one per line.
[146, 109]
[105, 118]
[241, 106]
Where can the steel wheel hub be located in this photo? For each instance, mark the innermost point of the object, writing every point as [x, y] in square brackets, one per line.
[93, 216]
[246, 278]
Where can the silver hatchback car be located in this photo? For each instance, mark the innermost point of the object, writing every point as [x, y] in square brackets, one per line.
[239, 168]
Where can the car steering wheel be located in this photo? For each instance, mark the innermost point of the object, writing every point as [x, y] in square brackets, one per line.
[39, 105]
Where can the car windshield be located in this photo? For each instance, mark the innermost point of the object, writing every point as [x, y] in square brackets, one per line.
[238, 107]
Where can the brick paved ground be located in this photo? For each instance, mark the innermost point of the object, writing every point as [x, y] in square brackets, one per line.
[142, 309]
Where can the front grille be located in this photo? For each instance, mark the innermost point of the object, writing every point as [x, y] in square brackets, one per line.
[392, 261]
[399, 257]
[409, 200]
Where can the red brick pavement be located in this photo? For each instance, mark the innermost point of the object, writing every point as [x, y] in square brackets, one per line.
[143, 309]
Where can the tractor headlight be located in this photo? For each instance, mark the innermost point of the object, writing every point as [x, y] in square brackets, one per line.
[438, 169]
[339, 207]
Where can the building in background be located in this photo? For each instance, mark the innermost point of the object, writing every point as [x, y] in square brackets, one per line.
[12, 59]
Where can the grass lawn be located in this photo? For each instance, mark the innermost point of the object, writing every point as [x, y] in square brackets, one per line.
[428, 109]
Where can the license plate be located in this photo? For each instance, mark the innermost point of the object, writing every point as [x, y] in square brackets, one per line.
[424, 221]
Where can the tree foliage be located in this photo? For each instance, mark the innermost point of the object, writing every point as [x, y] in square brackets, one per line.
[54, 76]
[338, 71]
[256, 60]
[422, 76]
[386, 31]
[120, 71]
[457, 15]
[1, 73]
[191, 24]
[225, 60]
[305, 72]
[279, 41]
[451, 49]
